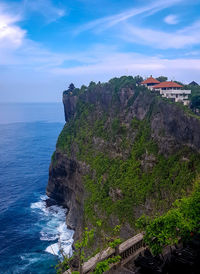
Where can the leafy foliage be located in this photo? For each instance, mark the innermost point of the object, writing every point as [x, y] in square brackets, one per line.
[195, 102]
[115, 243]
[105, 265]
[80, 246]
[125, 81]
[62, 266]
[70, 89]
[176, 224]
[162, 79]
[168, 177]
[194, 97]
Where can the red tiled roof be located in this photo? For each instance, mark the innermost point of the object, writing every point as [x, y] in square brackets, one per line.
[150, 80]
[168, 84]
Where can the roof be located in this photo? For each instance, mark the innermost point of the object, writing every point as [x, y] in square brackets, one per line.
[193, 83]
[150, 80]
[168, 84]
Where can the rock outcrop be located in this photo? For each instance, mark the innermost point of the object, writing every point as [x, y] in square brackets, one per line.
[110, 117]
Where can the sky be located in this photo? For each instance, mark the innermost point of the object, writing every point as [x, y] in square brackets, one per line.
[47, 44]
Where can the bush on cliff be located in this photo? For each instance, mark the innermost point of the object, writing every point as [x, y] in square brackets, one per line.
[179, 223]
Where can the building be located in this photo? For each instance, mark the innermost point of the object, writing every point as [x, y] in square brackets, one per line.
[173, 90]
[150, 82]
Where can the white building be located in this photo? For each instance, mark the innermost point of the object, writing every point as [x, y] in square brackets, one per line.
[173, 91]
[168, 89]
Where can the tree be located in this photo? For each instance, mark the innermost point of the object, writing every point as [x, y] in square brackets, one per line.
[92, 84]
[180, 83]
[138, 79]
[162, 79]
[195, 102]
[71, 87]
[82, 244]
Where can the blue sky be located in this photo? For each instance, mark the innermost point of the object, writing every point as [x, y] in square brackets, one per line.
[47, 44]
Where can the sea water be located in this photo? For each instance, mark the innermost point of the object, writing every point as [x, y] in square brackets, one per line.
[31, 235]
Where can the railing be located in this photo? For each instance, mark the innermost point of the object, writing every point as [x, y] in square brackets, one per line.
[175, 91]
[127, 250]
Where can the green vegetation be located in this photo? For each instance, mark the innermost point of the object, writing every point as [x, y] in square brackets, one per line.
[125, 81]
[105, 265]
[162, 79]
[194, 97]
[195, 102]
[81, 245]
[62, 266]
[178, 223]
[84, 243]
[118, 185]
[168, 177]
[127, 171]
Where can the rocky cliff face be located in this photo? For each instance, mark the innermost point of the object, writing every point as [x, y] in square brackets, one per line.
[123, 151]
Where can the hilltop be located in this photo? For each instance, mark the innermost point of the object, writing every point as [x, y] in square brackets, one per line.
[123, 152]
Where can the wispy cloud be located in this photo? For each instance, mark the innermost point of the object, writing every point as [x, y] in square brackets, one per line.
[33, 66]
[160, 39]
[42, 74]
[46, 8]
[143, 35]
[114, 63]
[109, 21]
[171, 19]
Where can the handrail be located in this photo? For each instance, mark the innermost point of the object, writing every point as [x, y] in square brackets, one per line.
[127, 250]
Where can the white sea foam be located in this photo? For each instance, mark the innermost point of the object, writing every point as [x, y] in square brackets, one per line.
[41, 205]
[60, 249]
[53, 249]
[53, 228]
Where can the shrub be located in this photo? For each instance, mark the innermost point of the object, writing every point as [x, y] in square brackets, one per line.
[176, 224]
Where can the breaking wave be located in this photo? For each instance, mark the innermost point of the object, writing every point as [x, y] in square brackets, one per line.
[53, 228]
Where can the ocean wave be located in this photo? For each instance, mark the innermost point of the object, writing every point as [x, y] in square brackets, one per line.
[53, 228]
[29, 262]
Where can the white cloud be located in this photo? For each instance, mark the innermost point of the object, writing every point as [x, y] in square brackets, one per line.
[171, 19]
[113, 63]
[16, 48]
[101, 64]
[109, 21]
[31, 65]
[11, 36]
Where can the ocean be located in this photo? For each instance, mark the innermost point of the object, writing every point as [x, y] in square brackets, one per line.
[30, 233]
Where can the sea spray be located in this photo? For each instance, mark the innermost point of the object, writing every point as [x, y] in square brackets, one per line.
[53, 227]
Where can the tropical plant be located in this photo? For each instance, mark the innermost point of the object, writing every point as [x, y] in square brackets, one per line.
[177, 224]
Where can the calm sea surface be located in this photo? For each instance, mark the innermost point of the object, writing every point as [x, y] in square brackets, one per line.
[30, 234]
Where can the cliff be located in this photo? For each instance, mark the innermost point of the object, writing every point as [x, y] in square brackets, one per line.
[123, 151]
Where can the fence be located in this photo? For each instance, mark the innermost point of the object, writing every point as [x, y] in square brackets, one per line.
[127, 250]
